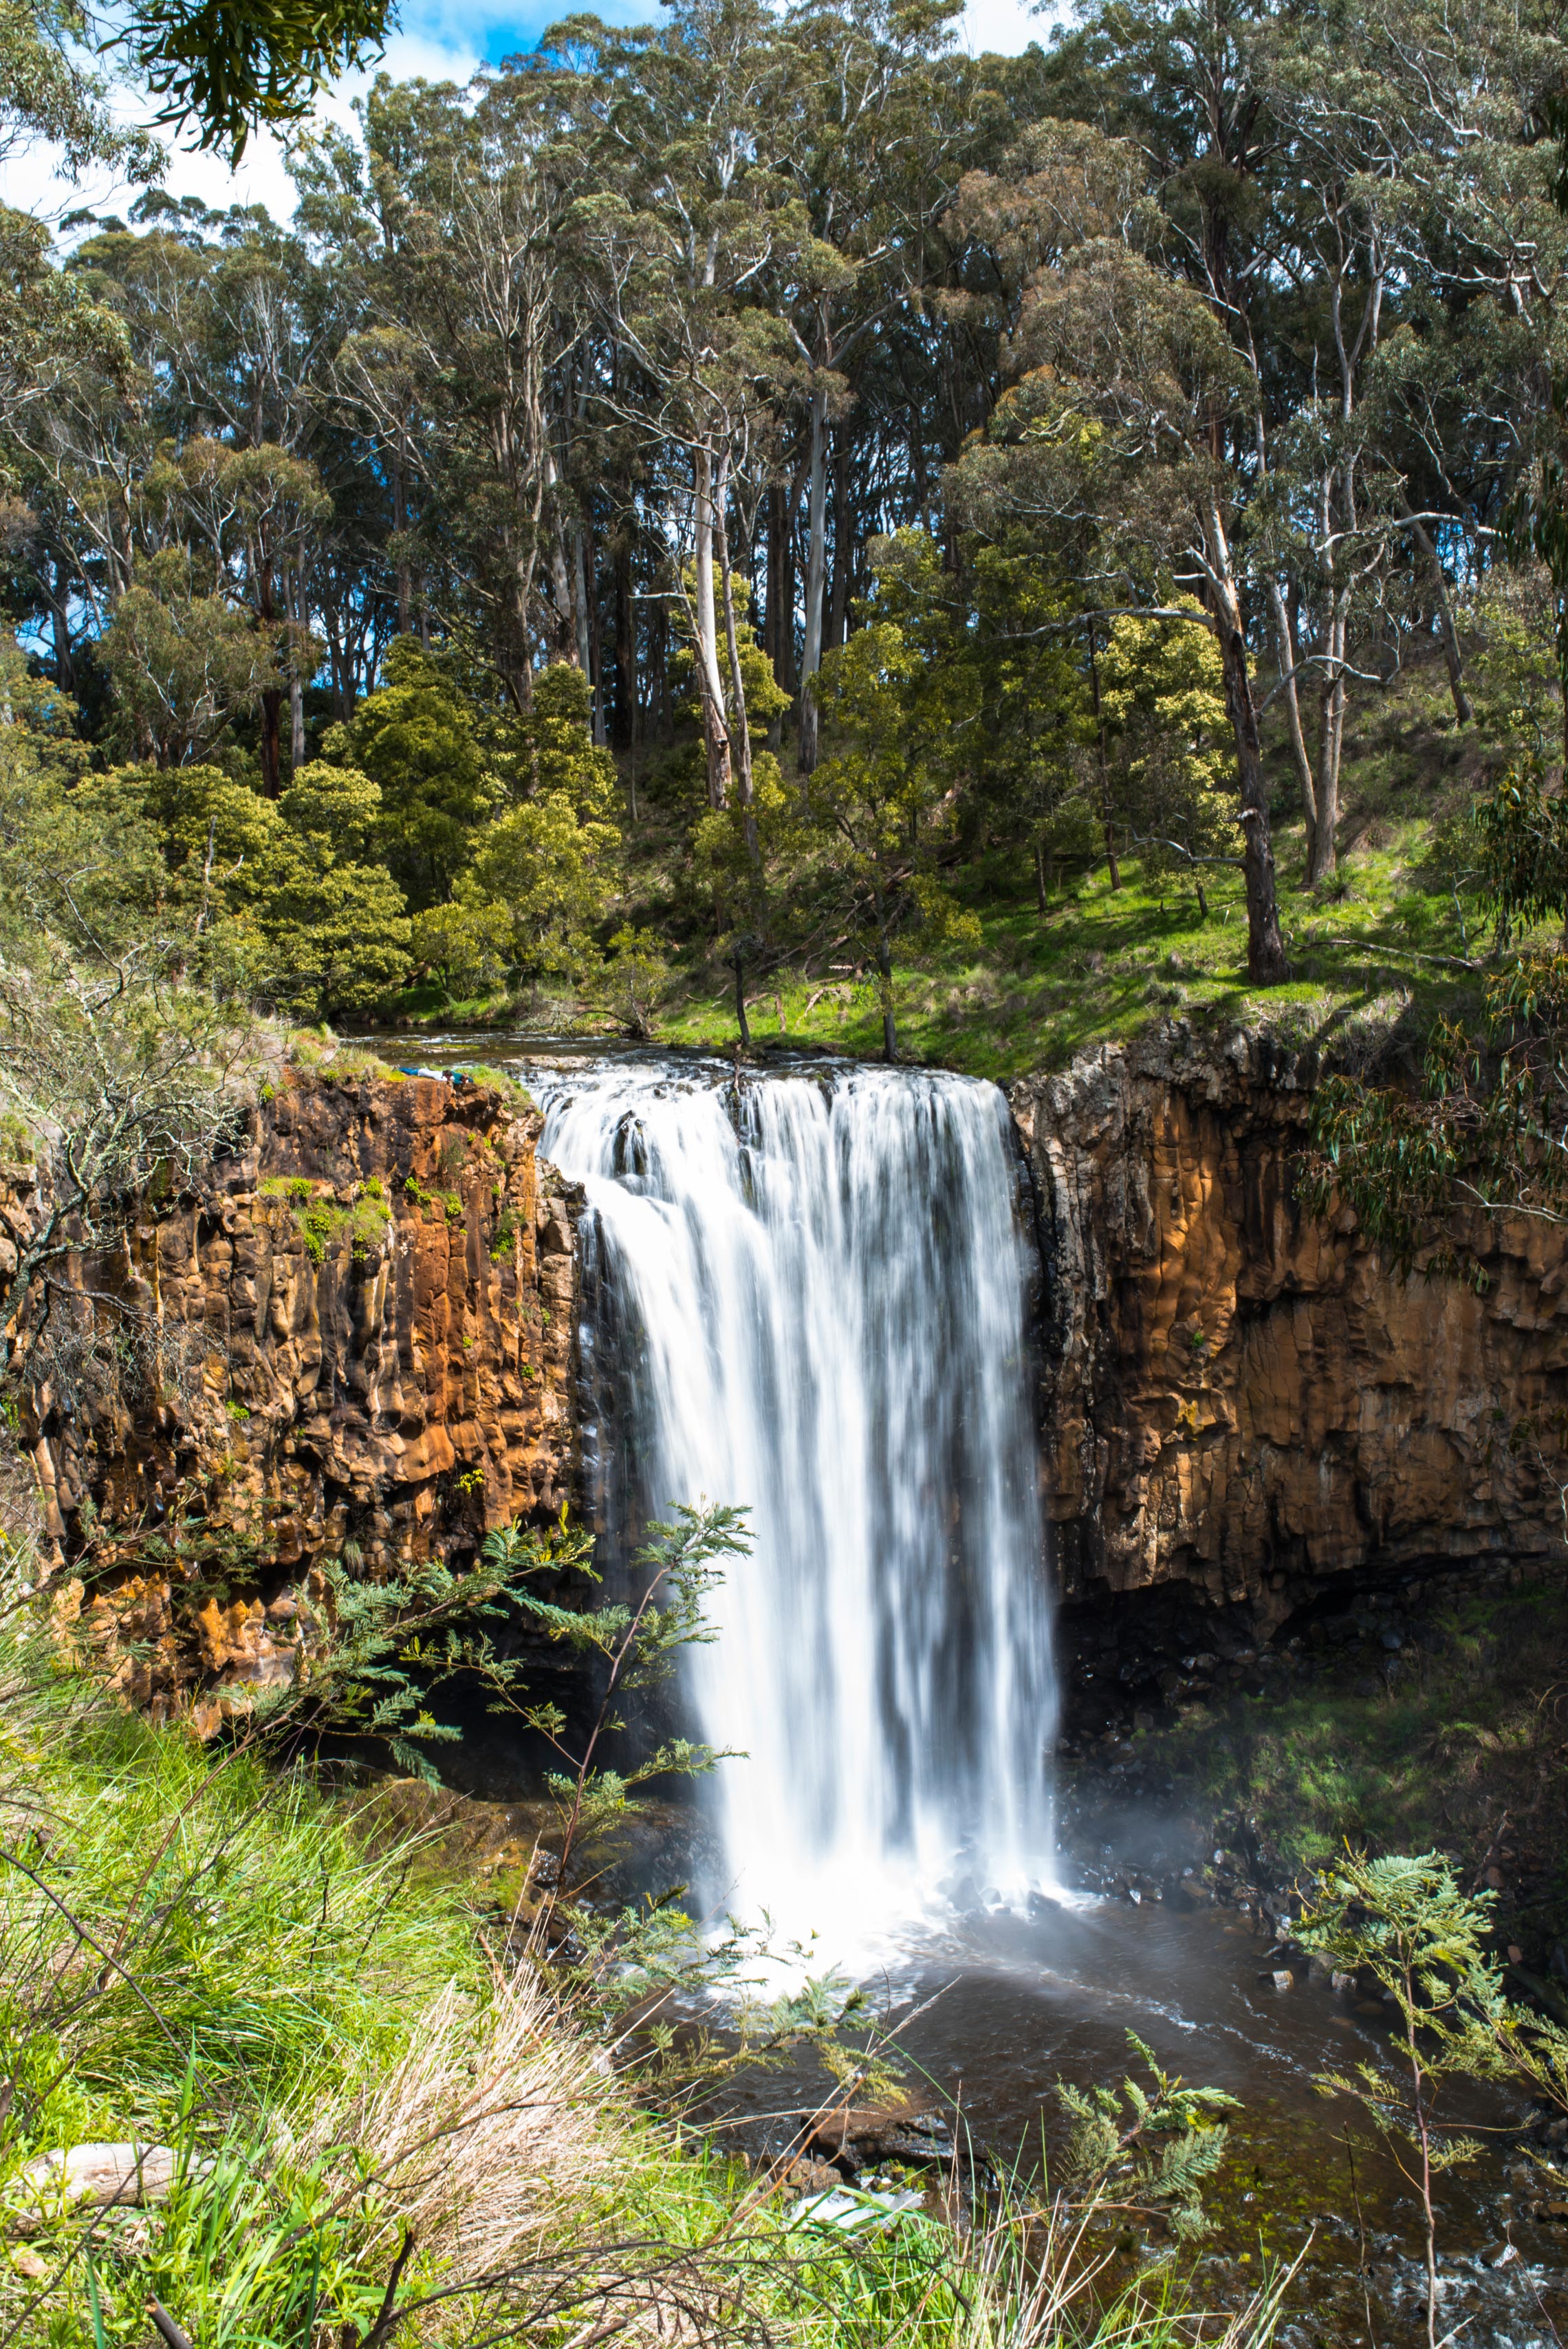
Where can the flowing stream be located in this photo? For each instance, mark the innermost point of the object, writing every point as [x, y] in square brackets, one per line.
[808, 1294]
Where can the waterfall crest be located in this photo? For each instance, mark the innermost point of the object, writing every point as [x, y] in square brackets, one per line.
[815, 1288]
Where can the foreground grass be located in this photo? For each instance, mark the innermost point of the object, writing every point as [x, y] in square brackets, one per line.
[364, 2121]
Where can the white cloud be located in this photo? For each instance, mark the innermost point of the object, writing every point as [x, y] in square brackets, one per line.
[1006, 27]
[442, 43]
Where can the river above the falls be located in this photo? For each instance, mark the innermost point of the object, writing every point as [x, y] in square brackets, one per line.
[809, 1292]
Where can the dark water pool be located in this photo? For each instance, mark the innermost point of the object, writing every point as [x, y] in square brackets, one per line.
[1012, 2006]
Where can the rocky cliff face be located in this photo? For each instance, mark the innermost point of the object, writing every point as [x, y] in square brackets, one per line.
[1245, 1400]
[353, 1339]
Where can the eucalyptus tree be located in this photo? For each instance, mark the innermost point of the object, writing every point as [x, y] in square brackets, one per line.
[689, 219]
[79, 445]
[245, 510]
[1120, 430]
[221, 329]
[883, 806]
[1411, 195]
[1469, 377]
[869, 146]
[465, 357]
[50, 93]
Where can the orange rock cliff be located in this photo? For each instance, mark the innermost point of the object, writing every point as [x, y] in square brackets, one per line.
[355, 1338]
[352, 1337]
[1242, 1397]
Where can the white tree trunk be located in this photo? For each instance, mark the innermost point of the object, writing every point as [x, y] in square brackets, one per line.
[711, 682]
[1284, 653]
[816, 577]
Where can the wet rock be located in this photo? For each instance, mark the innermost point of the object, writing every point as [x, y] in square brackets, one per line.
[859, 2138]
[809, 2177]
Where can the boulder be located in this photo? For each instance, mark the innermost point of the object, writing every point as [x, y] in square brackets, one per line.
[97, 2175]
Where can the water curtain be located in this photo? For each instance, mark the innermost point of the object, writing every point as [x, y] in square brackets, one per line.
[809, 1293]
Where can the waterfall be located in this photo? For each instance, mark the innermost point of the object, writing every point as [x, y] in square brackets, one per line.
[814, 1290]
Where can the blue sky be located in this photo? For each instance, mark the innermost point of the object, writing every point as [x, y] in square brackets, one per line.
[443, 44]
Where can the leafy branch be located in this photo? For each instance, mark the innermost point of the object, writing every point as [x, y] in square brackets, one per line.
[1133, 2148]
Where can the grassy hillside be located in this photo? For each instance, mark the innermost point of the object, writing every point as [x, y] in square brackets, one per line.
[1380, 944]
[1105, 961]
[1386, 942]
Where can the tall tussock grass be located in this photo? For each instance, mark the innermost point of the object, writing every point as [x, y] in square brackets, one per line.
[361, 2120]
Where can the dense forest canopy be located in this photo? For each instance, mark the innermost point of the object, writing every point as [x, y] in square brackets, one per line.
[698, 488]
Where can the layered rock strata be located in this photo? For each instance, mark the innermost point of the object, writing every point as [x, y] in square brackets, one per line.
[1244, 1399]
[353, 1339]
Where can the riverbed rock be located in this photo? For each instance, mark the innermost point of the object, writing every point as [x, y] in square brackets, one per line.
[853, 2139]
[1241, 1397]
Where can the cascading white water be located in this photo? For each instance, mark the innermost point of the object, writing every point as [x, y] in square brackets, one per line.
[819, 1285]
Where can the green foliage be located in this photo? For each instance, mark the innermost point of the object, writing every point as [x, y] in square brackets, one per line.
[1516, 683]
[553, 878]
[545, 871]
[468, 947]
[184, 664]
[752, 862]
[223, 69]
[635, 979]
[880, 802]
[414, 736]
[285, 897]
[115, 1065]
[1115, 2157]
[1407, 1922]
[205, 1953]
[1163, 706]
[49, 92]
[635, 1643]
[1486, 1128]
[548, 752]
[335, 924]
[1521, 850]
[386, 1648]
[366, 1220]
